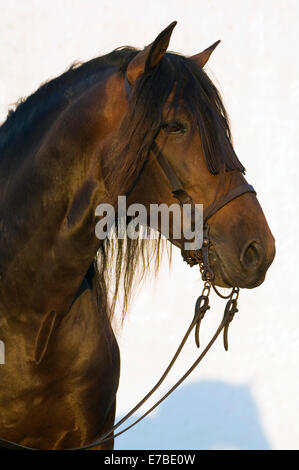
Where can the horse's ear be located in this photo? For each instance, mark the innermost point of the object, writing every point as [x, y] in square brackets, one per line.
[151, 55]
[203, 57]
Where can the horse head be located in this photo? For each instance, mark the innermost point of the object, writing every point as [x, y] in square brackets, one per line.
[173, 104]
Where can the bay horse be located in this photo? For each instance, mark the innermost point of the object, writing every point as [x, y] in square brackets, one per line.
[81, 140]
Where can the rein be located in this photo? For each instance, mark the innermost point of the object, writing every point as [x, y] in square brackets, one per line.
[200, 257]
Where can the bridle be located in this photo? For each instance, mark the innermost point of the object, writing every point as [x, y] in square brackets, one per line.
[200, 257]
[178, 191]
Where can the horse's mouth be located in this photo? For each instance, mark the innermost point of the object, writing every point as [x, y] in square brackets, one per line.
[223, 279]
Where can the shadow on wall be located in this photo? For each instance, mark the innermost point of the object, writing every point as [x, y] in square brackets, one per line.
[205, 415]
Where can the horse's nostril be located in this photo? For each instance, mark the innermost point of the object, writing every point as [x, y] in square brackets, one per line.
[251, 255]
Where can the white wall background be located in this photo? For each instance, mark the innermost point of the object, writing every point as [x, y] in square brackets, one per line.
[246, 398]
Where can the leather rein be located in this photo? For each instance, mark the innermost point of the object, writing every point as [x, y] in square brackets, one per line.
[200, 257]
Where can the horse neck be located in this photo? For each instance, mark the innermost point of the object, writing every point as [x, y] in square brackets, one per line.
[48, 212]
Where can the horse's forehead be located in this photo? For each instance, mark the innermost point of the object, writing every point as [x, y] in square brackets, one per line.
[174, 104]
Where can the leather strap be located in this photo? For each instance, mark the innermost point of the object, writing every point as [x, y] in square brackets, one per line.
[232, 194]
[175, 183]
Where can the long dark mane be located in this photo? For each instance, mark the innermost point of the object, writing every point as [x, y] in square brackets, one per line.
[195, 92]
[44, 106]
[128, 260]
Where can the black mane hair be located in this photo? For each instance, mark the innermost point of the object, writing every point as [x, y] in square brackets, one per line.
[52, 97]
[199, 97]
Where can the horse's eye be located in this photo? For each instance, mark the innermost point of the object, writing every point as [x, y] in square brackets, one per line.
[174, 127]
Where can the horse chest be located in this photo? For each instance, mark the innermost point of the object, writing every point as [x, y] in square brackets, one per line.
[66, 397]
